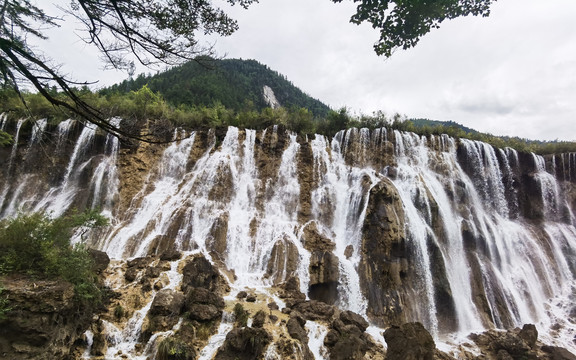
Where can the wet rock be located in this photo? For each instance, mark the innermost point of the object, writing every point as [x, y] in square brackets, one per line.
[296, 330]
[204, 312]
[529, 334]
[410, 341]
[200, 273]
[259, 319]
[203, 305]
[385, 269]
[283, 261]
[314, 310]
[170, 255]
[167, 302]
[313, 240]
[101, 260]
[251, 298]
[241, 295]
[291, 290]
[99, 341]
[349, 251]
[244, 344]
[346, 338]
[217, 239]
[131, 274]
[139, 262]
[152, 272]
[324, 276]
[558, 353]
[351, 318]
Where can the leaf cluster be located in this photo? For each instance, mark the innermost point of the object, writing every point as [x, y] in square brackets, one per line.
[38, 245]
[402, 23]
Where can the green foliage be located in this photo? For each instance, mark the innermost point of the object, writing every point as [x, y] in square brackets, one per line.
[38, 245]
[172, 348]
[119, 312]
[235, 84]
[241, 315]
[6, 139]
[4, 304]
[403, 23]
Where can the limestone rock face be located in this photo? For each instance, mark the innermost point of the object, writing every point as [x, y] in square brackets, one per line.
[44, 321]
[385, 265]
[410, 341]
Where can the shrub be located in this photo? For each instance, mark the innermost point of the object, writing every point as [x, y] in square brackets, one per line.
[172, 348]
[241, 315]
[37, 245]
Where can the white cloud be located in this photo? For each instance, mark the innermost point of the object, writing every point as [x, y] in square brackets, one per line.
[513, 73]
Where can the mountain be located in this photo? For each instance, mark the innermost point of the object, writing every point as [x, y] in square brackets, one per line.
[420, 123]
[235, 83]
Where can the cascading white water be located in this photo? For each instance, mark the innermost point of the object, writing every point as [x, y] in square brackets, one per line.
[156, 206]
[6, 186]
[338, 205]
[453, 194]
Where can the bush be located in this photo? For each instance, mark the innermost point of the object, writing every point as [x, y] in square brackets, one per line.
[37, 245]
[241, 315]
[172, 348]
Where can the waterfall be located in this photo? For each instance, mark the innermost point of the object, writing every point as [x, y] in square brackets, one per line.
[488, 235]
[7, 185]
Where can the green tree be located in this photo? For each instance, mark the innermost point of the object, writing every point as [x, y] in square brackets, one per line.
[38, 245]
[150, 31]
[403, 22]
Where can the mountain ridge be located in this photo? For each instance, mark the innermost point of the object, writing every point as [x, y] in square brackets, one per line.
[235, 83]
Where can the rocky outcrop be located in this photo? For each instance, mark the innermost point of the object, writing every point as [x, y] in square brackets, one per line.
[410, 341]
[518, 344]
[244, 344]
[385, 269]
[165, 310]
[203, 305]
[347, 338]
[323, 268]
[44, 321]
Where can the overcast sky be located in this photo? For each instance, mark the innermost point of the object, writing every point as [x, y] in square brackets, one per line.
[513, 73]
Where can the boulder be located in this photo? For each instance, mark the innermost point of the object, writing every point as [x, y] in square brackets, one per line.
[200, 273]
[101, 260]
[351, 318]
[204, 312]
[244, 344]
[203, 305]
[347, 339]
[529, 334]
[167, 302]
[296, 329]
[410, 341]
[314, 310]
[558, 353]
[259, 319]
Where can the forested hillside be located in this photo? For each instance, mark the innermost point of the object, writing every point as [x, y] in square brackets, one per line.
[237, 84]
